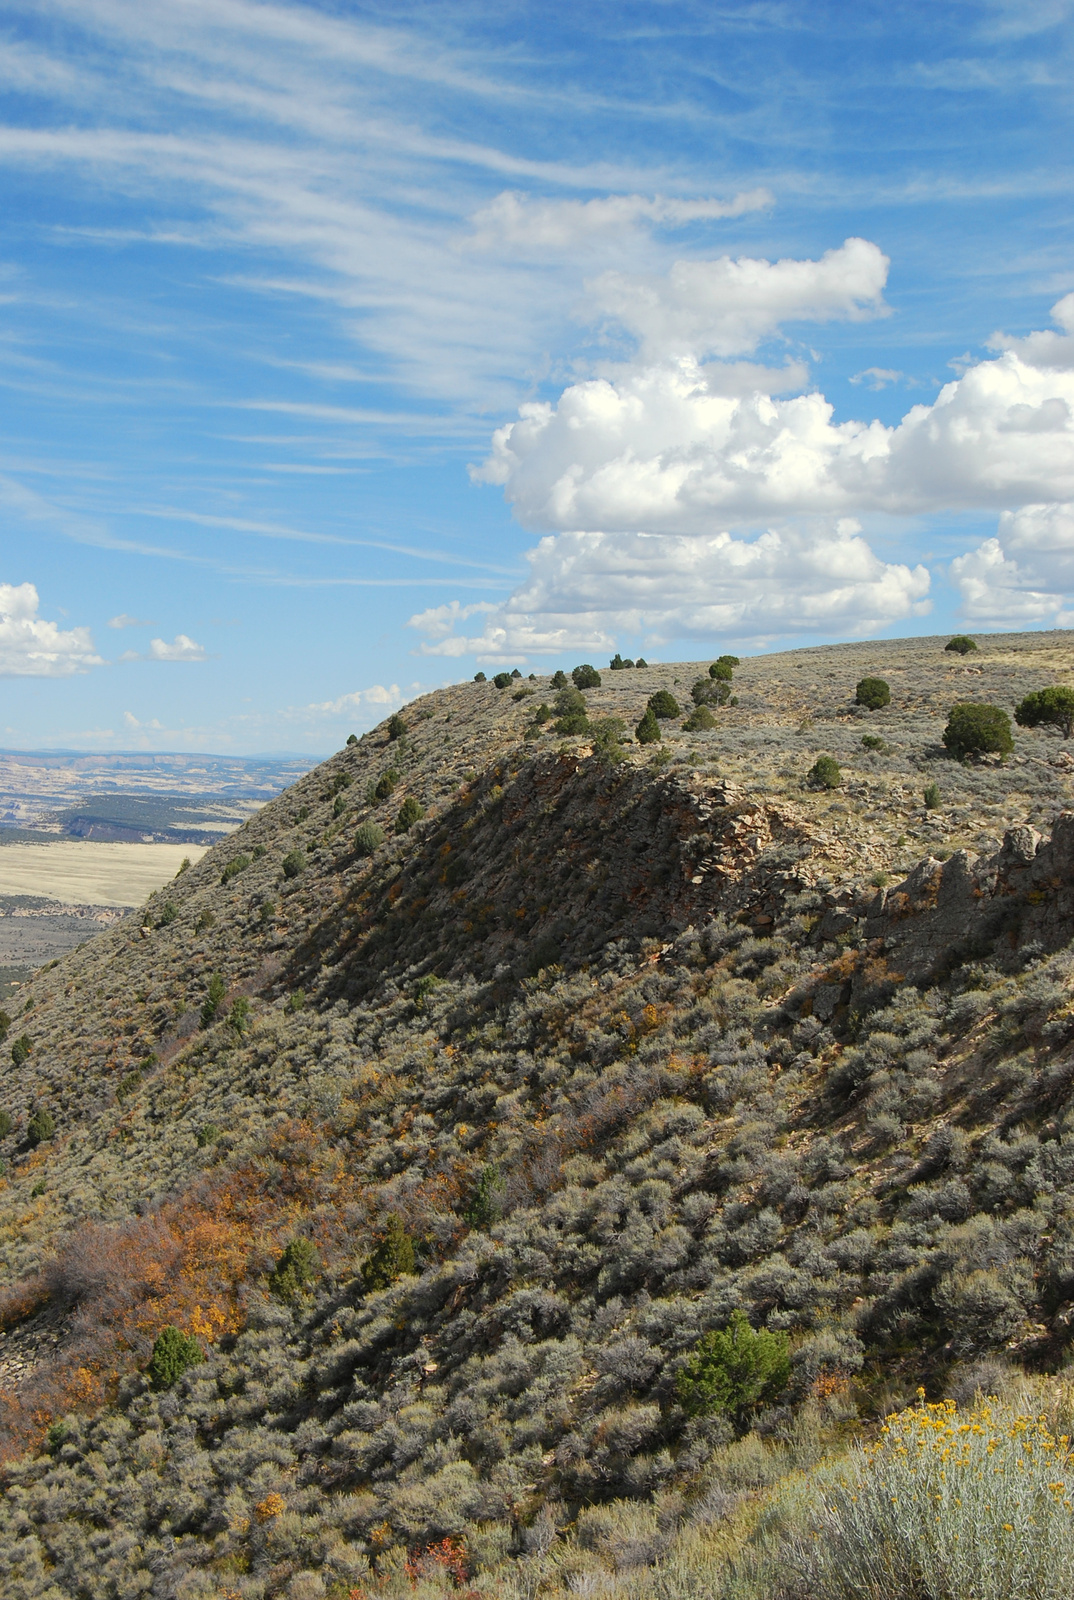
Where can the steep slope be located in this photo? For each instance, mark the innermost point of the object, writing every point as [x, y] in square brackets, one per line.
[595, 1053]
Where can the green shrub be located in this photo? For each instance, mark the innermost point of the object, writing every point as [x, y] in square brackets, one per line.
[663, 704]
[410, 811]
[39, 1188]
[873, 693]
[619, 664]
[128, 1084]
[709, 692]
[873, 741]
[352, 738]
[607, 735]
[932, 796]
[6, 1123]
[974, 729]
[961, 644]
[385, 784]
[575, 722]
[234, 867]
[521, 694]
[239, 1016]
[394, 1257]
[947, 1504]
[368, 837]
[559, 680]
[728, 661]
[479, 677]
[205, 920]
[266, 911]
[825, 773]
[1048, 707]
[700, 720]
[502, 680]
[168, 913]
[339, 806]
[207, 1134]
[293, 863]
[733, 1372]
[543, 714]
[396, 727]
[722, 671]
[184, 866]
[20, 1050]
[487, 1201]
[296, 1000]
[213, 999]
[641, 662]
[586, 677]
[5, 1026]
[173, 1354]
[297, 1268]
[648, 729]
[40, 1127]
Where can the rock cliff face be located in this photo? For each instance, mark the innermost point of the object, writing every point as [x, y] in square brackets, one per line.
[548, 1084]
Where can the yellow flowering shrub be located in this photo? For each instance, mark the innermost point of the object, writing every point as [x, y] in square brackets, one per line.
[945, 1505]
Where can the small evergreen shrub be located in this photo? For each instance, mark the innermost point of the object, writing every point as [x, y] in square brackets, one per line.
[206, 919]
[368, 838]
[728, 661]
[502, 680]
[487, 1201]
[1052, 707]
[293, 863]
[128, 1084]
[184, 866]
[41, 1127]
[873, 741]
[394, 1257]
[207, 1134]
[559, 680]
[733, 1372]
[410, 811]
[396, 727]
[352, 738]
[521, 694]
[5, 1026]
[20, 1050]
[619, 664]
[296, 1000]
[6, 1124]
[586, 677]
[385, 784]
[721, 671]
[961, 644]
[975, 729]
[479, 677]
[239, 1016]
[932, 796]
[825, 773]
[872, 693]
[641, 662]
[648, 729]
[575, 722]
[295, 1271]
[168, 913]
[543, 714]
[709, 692]
[607, 736]
[213, 999]
[515, 673]
[700, 720]
[234, 867]
[664, 705]
[173, 1354]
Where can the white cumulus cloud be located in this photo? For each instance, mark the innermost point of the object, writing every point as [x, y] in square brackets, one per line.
[586, 589]
[30, 647]
[659, 449]
[181, 648]
[1025, 575]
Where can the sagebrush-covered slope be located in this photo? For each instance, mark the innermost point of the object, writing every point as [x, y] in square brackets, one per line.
[621, 1047]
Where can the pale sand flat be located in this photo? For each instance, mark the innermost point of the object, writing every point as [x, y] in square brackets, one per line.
[81, 872]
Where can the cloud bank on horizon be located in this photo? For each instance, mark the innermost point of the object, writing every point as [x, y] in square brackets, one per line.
[675, 458]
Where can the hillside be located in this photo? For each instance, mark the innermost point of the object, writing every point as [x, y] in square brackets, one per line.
[606, 1046]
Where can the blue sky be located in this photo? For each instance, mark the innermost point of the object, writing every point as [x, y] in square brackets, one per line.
[780, 291]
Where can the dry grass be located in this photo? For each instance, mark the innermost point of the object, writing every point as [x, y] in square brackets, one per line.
[85, 873]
